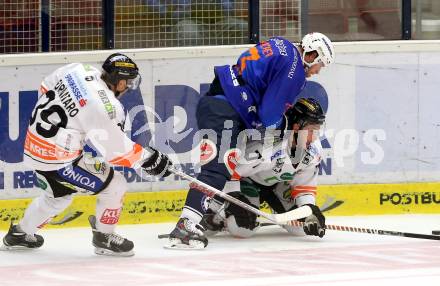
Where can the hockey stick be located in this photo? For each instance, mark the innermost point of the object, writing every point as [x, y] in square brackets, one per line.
[283, 218]
[67, 218]
[367, 230]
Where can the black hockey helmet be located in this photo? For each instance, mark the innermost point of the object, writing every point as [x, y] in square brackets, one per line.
[305, 111]
[118, 67]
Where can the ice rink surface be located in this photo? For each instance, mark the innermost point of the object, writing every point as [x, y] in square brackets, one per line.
[272, 257]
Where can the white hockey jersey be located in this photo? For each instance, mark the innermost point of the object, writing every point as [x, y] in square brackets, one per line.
[275, 167]
[77, 108]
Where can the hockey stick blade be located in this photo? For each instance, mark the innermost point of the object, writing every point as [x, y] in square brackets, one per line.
[267, 223]
[298, 213]
[283, 218]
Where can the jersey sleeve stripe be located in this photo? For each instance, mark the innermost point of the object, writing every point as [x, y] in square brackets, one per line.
[47, 151]
[305, 187]
[39, 140]
[294, 193]
[128, 159]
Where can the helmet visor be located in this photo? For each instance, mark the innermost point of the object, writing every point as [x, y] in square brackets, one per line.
[134, 83]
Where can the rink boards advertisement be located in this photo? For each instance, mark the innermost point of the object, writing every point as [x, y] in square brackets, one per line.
[382, 128]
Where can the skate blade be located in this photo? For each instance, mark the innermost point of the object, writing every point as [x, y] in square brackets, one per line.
[176, 244]
[106, 252]
[4, 247]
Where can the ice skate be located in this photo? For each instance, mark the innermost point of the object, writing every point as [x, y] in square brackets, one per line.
[17, 239]
[187, 235]
[110, 244]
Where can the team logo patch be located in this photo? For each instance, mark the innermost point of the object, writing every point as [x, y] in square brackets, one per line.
[94, 165]
[206, 201]
[208, 151]
[231, 161]
[110, 216]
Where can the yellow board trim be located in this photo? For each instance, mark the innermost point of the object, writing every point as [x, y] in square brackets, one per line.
[165, 206]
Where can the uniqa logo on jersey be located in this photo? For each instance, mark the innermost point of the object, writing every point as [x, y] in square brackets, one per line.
[80, 179]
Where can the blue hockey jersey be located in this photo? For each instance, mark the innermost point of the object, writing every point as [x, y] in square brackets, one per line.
[266, 79]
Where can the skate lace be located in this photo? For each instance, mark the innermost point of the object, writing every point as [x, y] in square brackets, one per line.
[30, 238]
[192, 227]
[114, 238]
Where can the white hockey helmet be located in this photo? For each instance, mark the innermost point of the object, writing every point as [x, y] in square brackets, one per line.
[322, 45]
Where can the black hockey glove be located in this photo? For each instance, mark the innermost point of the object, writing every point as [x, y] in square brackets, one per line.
[314, 224]
[158, 164]
[243, 218]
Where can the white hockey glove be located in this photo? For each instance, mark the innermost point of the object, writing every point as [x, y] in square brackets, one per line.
[158, 164]
[314, 224]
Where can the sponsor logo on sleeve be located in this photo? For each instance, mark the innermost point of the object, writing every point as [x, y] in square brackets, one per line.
[233, 77]
[109, 108]
[293, 67]
[280, 46]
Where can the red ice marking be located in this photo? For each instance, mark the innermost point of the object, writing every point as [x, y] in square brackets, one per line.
[190, 268]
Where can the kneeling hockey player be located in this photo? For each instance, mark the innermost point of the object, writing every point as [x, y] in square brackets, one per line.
[285, 180]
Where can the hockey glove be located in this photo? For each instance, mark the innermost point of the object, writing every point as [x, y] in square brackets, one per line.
[158, 164]
[314, 224]
[243, 218]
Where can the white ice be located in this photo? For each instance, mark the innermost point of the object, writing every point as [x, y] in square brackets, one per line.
[272, 257]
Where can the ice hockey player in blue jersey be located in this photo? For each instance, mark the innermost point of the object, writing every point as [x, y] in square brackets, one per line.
[252, 94]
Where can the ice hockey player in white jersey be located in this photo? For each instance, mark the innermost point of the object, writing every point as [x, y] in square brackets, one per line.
[79, 108]
[284, 176]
